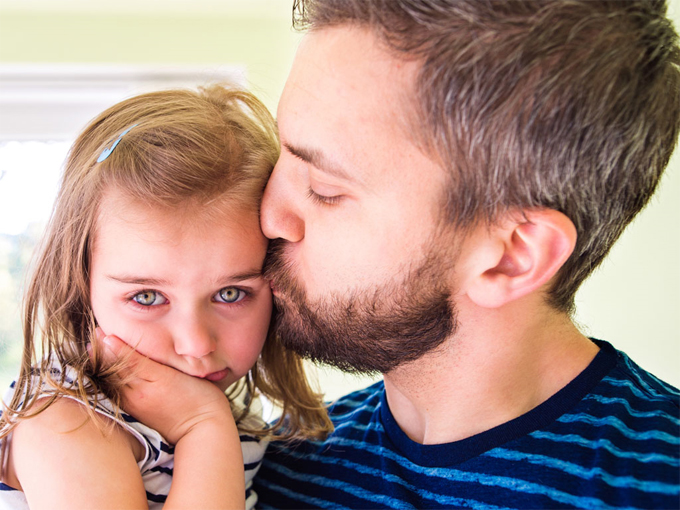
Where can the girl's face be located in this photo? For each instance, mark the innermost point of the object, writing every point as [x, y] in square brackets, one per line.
[182, 287]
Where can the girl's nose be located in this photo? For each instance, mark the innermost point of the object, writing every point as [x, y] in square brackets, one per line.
[194, 340]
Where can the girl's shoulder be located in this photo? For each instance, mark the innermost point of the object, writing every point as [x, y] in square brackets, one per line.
[56, 421]
[64, 442]
[66, 422]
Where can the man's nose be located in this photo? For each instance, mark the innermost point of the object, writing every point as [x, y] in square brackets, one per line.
[194, 338]
[280, 215]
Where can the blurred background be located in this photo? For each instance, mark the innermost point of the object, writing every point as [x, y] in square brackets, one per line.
[63, 61]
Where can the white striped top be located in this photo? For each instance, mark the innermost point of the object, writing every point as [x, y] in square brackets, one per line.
[156, 467]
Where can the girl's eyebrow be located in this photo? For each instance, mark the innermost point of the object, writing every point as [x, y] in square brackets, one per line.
[246, 275]
[138, 280]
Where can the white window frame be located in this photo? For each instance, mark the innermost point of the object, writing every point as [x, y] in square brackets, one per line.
[55, 101]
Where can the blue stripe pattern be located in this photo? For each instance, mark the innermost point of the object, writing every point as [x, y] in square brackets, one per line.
[609, 440]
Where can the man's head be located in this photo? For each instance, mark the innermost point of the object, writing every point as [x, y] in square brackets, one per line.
[450, 115]
[361, 261]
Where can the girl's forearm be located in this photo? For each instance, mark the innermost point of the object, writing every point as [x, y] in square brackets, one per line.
[208, 470]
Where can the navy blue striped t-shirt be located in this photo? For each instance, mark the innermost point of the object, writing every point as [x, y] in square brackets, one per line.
[609, 439]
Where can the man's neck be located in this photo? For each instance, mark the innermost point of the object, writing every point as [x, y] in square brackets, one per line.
[495, 368]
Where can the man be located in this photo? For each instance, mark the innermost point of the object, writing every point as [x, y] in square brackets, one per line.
[450, 174]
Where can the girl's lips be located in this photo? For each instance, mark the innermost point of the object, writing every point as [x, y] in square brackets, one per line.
[217, 376]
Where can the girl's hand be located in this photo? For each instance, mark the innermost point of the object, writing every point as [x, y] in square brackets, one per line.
[163, 398]
[194, 415]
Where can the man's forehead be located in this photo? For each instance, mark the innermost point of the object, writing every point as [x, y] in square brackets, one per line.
[343, 81]
[341, 61]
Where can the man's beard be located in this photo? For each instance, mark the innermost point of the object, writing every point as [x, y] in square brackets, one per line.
[369, 330]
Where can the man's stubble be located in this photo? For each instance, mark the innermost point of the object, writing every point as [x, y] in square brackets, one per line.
[368, 330]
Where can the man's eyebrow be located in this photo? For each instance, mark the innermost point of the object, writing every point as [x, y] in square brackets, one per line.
[317, 159]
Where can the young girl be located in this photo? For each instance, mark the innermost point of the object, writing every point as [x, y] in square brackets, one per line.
[155, 239]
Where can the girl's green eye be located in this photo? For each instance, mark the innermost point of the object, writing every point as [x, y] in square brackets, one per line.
[230, 295]
[149, 298]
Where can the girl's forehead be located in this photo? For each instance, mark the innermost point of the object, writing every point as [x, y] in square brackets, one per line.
[179, 251]
[157, 220]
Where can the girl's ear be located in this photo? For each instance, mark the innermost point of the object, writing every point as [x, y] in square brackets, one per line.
[522, 254]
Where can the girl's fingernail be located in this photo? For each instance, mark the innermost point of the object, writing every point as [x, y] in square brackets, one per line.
[100, 334]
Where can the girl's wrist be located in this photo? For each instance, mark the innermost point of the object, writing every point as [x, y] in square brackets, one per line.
[216, 422]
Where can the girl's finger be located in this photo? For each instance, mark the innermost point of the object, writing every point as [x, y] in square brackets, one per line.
[135, 368]
[129, 364]
[114, 346]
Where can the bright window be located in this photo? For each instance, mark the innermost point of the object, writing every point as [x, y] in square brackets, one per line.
[29, 172]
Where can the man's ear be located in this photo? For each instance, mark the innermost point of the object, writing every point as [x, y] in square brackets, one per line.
[523, 253]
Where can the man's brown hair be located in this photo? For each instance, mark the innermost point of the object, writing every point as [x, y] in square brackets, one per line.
[572, 105]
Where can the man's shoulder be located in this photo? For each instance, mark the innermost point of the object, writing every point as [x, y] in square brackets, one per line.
[629, 381]
[626, 407]
[317, 474]
[354, 415]
[358, 404]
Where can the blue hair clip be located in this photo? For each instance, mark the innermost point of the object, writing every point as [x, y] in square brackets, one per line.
[107, 152]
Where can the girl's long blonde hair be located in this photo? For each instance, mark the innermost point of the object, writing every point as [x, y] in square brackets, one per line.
[214, 144]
